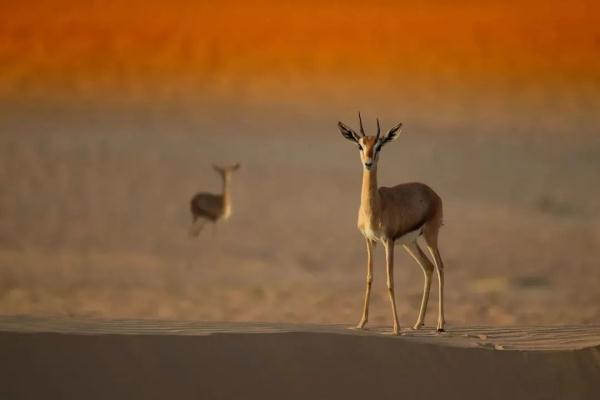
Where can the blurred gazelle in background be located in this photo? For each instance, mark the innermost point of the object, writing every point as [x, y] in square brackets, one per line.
[209, 207]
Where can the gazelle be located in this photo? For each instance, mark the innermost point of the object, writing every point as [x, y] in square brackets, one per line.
[212, 207]
[396, 215]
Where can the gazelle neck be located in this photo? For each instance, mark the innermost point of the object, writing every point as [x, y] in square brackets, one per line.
[226, 197]
[369, 199]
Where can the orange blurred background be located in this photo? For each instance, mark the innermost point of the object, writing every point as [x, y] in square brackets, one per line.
[420, 54]
[112, 112]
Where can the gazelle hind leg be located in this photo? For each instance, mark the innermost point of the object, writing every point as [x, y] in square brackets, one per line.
[439, 266]
[365, 315]
[415, 251]
[431, 237]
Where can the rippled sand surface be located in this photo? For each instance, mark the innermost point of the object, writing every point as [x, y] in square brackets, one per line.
[530, 338]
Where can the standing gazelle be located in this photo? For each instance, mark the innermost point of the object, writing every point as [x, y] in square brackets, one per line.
[397, 215]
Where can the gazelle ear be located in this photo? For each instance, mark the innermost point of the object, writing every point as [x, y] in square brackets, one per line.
[392, 134]
[347, 132]
[235, 167]
[217, 168]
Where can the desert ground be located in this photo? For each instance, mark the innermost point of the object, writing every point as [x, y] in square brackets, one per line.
[94, 216]
[124, 359]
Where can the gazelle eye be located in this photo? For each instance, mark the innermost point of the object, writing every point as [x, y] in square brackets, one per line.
[360, 147]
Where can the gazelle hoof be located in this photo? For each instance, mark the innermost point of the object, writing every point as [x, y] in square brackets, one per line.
[418, 326]
[440, 330]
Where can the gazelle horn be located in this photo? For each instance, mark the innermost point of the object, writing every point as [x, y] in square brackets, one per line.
[362, 130]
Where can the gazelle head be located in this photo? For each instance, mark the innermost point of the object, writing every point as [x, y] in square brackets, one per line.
[226, 171]
[369, 146]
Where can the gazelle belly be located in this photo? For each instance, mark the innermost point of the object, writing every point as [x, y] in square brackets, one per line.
[373, 233]
[409, 237]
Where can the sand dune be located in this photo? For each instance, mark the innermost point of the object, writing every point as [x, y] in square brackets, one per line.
[77, 358]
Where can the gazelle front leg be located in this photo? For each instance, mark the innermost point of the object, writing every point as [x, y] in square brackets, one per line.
[197, 225]
[415, 251]
[365, 315]
[389, 257]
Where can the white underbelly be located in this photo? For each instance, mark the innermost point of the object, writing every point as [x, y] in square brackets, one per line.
[377, 235]
[409, 237]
